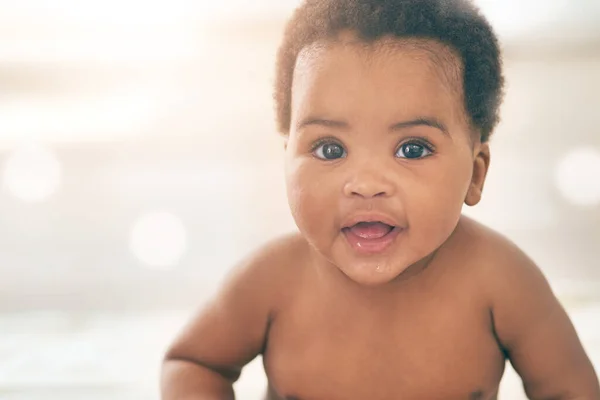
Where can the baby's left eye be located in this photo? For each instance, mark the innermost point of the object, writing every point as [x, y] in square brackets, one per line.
[412, 150]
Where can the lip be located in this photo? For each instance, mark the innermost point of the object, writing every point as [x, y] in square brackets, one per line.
[370, 217]
[371, 246]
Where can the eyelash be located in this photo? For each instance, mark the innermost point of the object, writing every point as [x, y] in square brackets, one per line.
[417, 140]
[411, 140]
[323, 141]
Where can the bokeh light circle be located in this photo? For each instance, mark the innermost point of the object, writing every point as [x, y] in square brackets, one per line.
[578, 176]
[158, 239]
[32, 173]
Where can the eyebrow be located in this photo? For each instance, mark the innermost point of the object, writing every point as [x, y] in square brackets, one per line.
[420, 121]
[328, 123]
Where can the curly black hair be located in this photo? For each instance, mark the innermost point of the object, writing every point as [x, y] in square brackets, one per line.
[455, 23]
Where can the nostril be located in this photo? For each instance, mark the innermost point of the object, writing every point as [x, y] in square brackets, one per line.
[368, 187]
[368, 195]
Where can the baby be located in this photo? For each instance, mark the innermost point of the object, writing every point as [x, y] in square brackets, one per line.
[387, 291]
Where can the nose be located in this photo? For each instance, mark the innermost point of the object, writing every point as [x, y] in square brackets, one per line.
[368, 184]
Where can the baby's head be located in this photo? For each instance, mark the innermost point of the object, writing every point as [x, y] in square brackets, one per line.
[387, 107]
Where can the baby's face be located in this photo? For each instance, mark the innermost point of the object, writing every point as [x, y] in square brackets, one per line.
[379, 157]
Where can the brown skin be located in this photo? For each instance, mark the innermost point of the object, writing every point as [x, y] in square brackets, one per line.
[435, 315]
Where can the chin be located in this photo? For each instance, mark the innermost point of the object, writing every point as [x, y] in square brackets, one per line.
[376, 269]
[371, 271]
[364, 276]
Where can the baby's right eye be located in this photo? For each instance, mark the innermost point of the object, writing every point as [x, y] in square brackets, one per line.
[329, 151]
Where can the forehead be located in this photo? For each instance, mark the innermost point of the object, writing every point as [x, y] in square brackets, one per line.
[398, 76]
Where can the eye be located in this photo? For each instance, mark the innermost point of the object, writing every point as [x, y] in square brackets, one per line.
[329, 151]
[414, 150]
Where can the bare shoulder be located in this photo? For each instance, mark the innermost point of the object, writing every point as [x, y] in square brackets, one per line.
[513, 285]
[278, 258]
[271, 270]
[529, 322]
[499, 260]
[231, 328]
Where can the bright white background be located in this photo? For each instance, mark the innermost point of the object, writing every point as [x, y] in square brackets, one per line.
[139, 161]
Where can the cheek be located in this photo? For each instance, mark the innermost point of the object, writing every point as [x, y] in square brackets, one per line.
[436, 210]
[311, 196]
[450, 184]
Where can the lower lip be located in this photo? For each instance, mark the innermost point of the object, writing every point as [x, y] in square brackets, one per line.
[371, 246]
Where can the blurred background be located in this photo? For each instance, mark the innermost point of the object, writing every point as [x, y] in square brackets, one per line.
[139, 161]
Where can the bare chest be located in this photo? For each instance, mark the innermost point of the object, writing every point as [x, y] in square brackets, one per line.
[439, 349]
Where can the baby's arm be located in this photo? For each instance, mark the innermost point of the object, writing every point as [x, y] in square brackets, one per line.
[207, 357]
[537, 334]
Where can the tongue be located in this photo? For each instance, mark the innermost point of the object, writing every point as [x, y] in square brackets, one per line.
[370, 230]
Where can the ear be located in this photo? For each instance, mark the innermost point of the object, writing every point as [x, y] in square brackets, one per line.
[481, 163]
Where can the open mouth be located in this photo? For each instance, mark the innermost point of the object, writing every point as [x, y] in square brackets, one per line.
[370, 230]
[370, 237]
